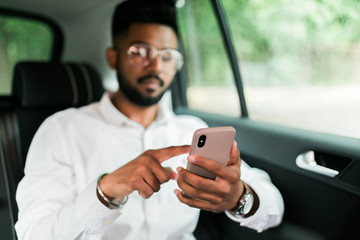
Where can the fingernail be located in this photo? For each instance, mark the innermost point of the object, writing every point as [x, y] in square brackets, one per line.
[191, 159]
[179, 169]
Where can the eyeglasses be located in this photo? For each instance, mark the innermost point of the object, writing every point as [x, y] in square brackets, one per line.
[143, 54]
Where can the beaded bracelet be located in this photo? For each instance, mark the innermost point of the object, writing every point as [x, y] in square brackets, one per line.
[112, 204]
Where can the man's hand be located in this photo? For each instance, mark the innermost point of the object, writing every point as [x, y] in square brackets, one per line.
[216, 195]
[143, 174]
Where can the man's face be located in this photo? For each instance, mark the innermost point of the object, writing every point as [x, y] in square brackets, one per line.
[145, 84]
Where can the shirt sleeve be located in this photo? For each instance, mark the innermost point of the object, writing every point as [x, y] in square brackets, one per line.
[271, 208]
[50, 205]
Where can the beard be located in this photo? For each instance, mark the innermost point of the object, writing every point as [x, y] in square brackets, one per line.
[134, 95]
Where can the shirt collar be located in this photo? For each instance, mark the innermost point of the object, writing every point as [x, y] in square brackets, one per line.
[113, 116]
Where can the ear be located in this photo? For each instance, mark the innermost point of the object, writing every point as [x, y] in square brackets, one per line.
[111, 55]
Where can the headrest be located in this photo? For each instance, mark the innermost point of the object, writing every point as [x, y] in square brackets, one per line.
[45, 84]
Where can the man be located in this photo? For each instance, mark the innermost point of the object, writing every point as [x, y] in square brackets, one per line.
[91, 173]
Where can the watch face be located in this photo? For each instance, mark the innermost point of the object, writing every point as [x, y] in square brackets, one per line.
[248, 204]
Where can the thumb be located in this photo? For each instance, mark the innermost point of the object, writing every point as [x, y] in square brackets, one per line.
[234, 155]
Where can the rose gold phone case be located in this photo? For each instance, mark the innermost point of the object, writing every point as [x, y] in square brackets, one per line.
[217, 147]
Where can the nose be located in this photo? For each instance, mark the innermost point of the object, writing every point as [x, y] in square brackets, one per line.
[155, 64]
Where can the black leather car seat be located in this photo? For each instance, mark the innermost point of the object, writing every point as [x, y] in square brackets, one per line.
[39, 90]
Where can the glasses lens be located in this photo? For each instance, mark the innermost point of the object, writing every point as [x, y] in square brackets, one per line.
[137, 54]
[175, 57]
[166, 55]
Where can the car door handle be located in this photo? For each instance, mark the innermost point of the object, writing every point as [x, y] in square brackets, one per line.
[307, 161]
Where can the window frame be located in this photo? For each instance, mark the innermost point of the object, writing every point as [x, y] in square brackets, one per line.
[178, 89]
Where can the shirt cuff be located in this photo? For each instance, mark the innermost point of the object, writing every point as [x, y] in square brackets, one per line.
[92, 213]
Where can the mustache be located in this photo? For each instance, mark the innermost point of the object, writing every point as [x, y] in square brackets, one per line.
[143, 79]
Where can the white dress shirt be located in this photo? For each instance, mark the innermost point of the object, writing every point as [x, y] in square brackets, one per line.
[57, 197]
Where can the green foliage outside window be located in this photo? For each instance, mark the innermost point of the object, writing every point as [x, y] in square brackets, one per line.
[290, 42]
[21, 39]
[311, 42]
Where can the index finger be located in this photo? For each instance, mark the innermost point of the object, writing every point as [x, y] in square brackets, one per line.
[169, 152]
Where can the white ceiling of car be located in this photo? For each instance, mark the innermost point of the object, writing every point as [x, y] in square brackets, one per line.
[56, 7]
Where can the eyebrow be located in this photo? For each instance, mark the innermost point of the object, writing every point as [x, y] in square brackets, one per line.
[137, 42]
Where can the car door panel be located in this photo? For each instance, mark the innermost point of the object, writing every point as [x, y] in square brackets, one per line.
[316, 206]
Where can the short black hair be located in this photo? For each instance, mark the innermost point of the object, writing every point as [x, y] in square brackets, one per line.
[143, 11]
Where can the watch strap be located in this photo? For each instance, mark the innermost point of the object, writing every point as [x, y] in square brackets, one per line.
[242, 208]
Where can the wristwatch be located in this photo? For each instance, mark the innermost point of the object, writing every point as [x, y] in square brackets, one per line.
[246, 202]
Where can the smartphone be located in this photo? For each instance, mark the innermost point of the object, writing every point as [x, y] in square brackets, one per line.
[214, 143]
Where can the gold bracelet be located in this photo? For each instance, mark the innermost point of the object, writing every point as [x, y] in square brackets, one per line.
[111, 204]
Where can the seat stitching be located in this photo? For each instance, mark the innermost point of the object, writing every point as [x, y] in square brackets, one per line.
[73, 83]
[6, 179]
[16, 132]
[86, 75]
[24, 88]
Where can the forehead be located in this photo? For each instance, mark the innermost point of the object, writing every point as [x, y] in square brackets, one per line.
[157, 35]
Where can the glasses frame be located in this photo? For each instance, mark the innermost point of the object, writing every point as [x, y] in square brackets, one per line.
[176, 55]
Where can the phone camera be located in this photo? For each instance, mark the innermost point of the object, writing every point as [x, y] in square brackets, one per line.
[201, 141]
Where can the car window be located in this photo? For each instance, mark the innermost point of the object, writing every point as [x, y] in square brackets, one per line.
[299, 61]
[210, 85]
[22, 39]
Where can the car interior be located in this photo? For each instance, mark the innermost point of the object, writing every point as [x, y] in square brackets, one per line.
[317, 172]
